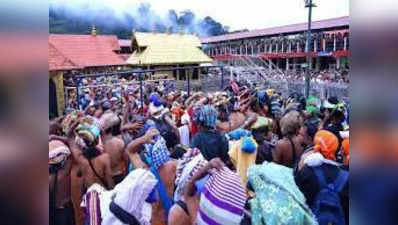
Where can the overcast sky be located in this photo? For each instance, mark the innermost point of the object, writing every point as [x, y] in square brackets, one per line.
[237, 14]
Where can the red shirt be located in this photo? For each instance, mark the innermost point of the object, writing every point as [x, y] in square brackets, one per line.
[194, 127]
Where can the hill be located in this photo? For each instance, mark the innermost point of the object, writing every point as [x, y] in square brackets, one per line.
[63, 20]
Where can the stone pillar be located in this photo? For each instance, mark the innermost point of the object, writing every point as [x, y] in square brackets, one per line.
[269, 64]
[287, 63]
[338, 62]
[246, 49]
[334, 44]
[315, 46]
[345, 43]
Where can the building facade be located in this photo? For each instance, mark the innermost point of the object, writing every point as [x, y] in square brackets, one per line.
[285, 46]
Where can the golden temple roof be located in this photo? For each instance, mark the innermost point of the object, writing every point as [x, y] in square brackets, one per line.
[166, 49]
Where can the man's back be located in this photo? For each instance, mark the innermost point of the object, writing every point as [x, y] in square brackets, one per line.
[101, 175]
[115, 148]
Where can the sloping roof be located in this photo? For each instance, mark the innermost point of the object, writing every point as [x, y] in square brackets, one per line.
[165, 49]
[57, 61]
[321, 24]
[87, 50]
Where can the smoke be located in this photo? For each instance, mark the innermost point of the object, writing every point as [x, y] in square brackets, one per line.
[133, 15]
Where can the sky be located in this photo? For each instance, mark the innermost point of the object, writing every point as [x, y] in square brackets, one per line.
[236, 14]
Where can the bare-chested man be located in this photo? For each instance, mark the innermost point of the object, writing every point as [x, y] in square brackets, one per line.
[113, 145]
[61, 208]
[95, 166]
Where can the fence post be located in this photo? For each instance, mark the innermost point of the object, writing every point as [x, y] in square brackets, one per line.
[141, 94]
[222, 77]
[189, 83]
[77, 92]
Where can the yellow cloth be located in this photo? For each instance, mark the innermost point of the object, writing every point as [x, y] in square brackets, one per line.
[241, 160]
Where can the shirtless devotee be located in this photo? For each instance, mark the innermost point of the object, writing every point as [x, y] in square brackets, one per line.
[94, 165]
[114, 145]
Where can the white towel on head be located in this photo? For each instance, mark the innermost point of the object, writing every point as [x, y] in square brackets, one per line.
[317, 159]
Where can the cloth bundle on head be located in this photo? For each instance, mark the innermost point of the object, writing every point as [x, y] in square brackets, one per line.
[129, 197]
[156, 111]
[262, 98]
[277, 199]
[312, 105]
[270, 92]
[89, 130]
[331, 102]
[205, 116]
[186, 168]
[159, 153]
[262, 123]
[69, 120]
[58, 152]
[326, 143]
[222, 199]
[237, 134]
[276, 108]
[109, 120]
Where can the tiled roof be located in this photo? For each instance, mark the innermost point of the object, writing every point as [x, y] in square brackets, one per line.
[56, 61]
[165, 49]
[86, 50]
[321, 24]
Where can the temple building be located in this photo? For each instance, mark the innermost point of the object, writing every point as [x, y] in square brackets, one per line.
[284, 47]
[165, 50]
[76, 54]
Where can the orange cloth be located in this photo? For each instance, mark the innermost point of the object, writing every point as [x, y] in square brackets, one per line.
[346, 150]
[326, 143]
[177, 113]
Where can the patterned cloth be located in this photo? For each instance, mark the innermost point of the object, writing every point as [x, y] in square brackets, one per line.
[89, 129]
[68, 121]
[277, 198]
[159, 153]
[186, 168]
[276, 107]
[222, 199]
[92, 208]
[205, 116]
[58, 152]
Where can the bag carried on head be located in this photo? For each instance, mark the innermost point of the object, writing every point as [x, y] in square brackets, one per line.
[327, 205]
[166, 131]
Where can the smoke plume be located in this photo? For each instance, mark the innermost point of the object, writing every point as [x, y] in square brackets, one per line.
[72, 16]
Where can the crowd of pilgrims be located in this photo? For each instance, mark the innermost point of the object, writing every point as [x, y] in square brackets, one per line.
[240, 156]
